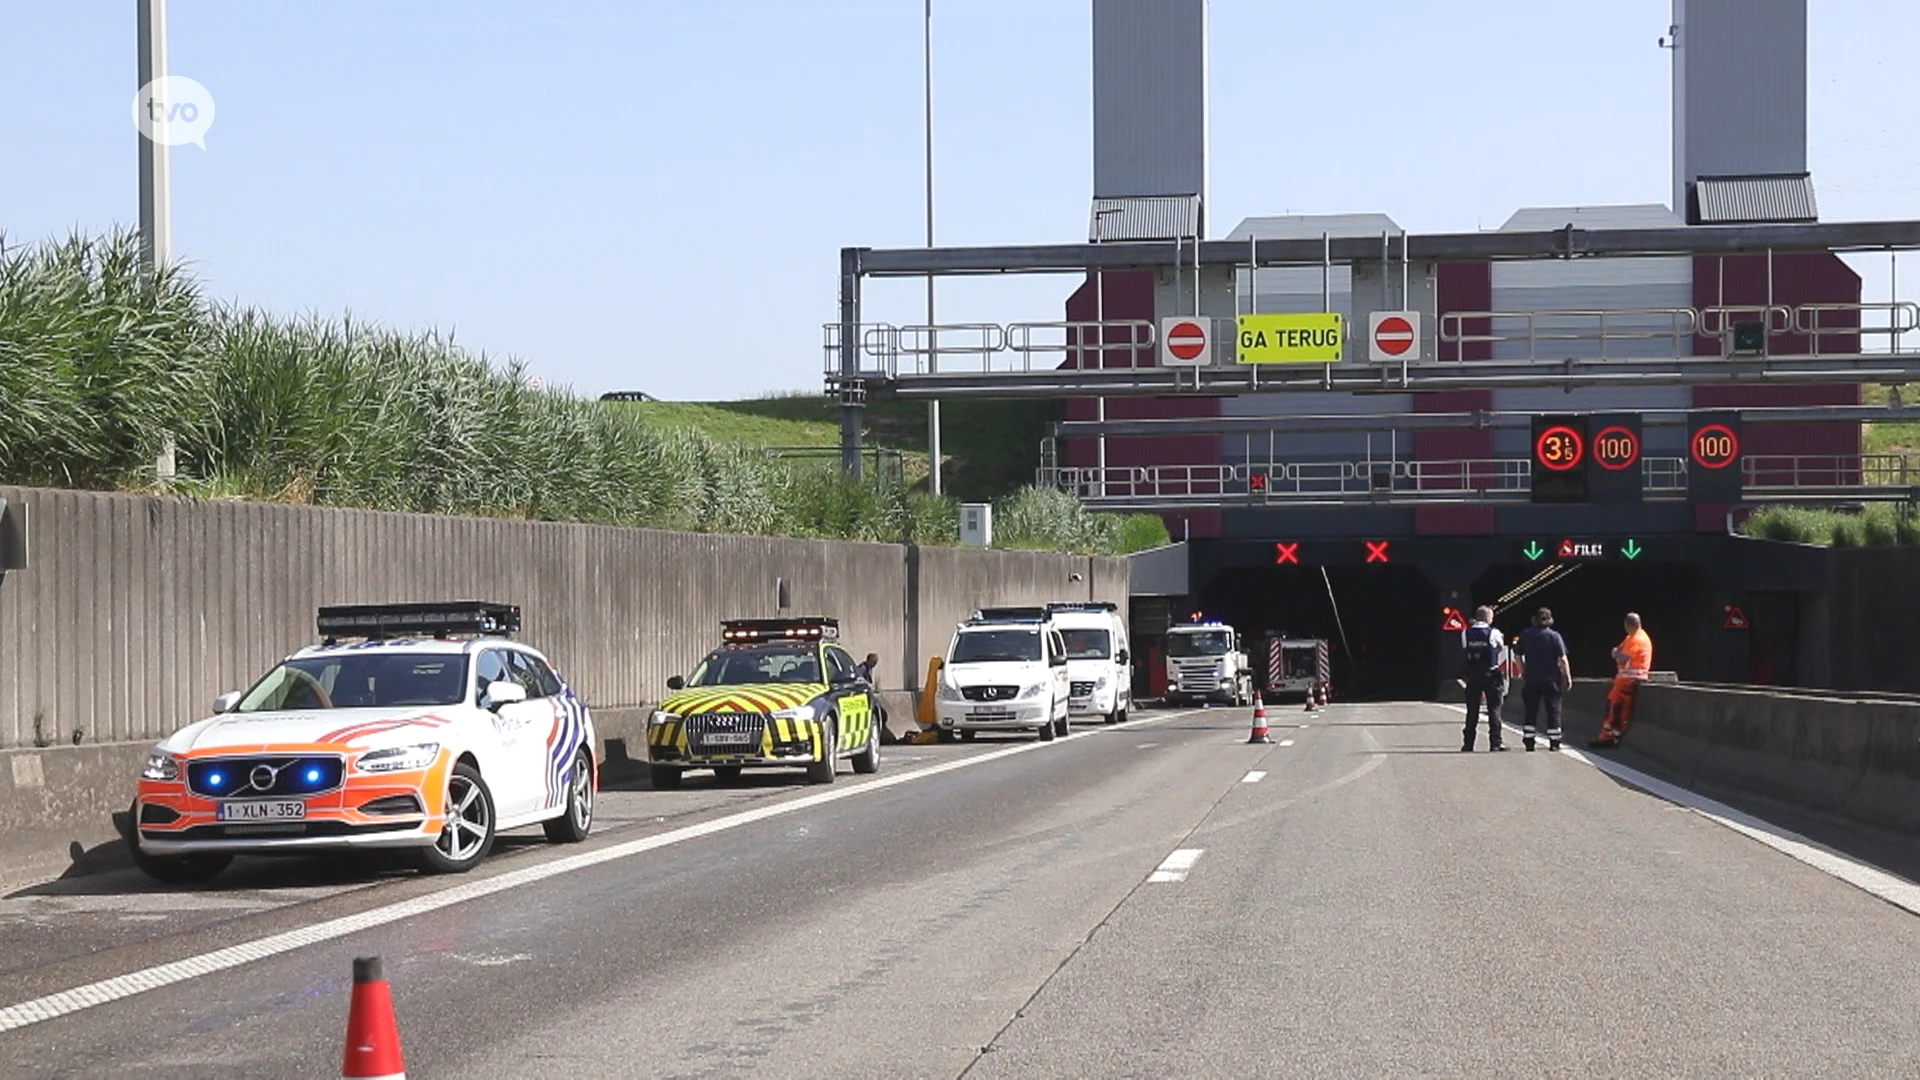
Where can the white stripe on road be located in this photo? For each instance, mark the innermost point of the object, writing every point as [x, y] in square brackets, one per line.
[124, 986]
[1253, 777]
[1286, 742]
[1176, 865]
[1871, 879]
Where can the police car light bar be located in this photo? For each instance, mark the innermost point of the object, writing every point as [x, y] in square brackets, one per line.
[445, 618]
[1010, 614]
[1083, 605]
[735, 631]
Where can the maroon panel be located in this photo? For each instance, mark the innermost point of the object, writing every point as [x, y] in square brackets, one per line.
[1462, 287]
[1465, 287]
[1453, 521]
[1796, 278]
[1129, 295]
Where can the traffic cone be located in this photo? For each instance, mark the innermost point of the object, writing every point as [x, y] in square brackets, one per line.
[1260, 733]
[373, 1038]
[1312, 706]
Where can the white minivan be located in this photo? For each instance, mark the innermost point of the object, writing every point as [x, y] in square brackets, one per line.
[1099, 668]
[1005, 670]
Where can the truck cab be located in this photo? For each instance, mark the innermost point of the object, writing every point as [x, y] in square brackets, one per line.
[1207, 662]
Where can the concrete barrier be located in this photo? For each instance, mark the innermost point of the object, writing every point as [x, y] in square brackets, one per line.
[1852, 757]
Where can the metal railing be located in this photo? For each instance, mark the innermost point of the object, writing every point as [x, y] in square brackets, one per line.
[1878, 476]
[1597, 328]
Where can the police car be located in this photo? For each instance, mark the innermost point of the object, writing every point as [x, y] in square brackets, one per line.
[1005, 670]
[417, 726]
[777, 693]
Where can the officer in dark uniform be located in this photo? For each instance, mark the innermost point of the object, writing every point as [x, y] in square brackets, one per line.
[1483, 677]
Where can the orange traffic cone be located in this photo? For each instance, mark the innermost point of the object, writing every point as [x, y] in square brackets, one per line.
[1312, 705]
[373, 1038]
[1260, 733]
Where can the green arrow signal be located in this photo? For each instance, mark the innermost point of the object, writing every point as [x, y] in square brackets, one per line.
[1534, 550]
[1631, 549]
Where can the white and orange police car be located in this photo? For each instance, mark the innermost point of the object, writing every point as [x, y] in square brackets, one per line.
[417, 726]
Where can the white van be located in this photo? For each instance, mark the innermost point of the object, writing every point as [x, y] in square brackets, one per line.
[1005, 670]
[1099, 667]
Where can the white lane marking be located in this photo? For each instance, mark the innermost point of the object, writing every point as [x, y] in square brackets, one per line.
[1253, 777]
[1866, 877]
[1176, 865]
[1286, 742]
[1894, 890]
[105, 991]
[1146, 746]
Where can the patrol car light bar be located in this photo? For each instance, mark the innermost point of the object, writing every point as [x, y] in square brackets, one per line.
[1091, 605]
[751, 630]
[1010, 614]
[375, 622]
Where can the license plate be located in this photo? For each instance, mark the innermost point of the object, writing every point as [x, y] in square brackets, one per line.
[276, 810]
[727, 738]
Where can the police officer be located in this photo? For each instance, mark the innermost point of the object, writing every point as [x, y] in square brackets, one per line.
[1483, 678]
[1545, 675]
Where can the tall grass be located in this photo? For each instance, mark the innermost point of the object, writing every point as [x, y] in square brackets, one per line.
[101, 364]
[1877, 525]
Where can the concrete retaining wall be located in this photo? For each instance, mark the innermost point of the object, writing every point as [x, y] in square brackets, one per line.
[136, 611]
[1850, 757]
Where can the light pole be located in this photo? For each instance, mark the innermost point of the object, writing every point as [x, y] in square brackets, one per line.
[933, 356]
[156, 226]
[156, 195]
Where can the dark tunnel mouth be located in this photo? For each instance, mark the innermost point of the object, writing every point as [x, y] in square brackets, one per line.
[1393, 648]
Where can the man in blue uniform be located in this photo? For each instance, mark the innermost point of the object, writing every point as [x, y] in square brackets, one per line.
[1543, 660]
[1483, 678]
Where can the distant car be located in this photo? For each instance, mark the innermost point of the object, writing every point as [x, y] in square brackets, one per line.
[627, 395]
[1005, 670]
[777, 693]
[415, 726]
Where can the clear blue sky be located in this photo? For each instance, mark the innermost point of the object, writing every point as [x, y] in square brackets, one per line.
[652, 193]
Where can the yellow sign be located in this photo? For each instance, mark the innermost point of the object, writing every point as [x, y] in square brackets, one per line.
[1314, 338]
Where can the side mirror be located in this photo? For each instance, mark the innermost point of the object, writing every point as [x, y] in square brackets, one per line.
[1123, 658]
[505, 693]
[225, 702]
[676, 683]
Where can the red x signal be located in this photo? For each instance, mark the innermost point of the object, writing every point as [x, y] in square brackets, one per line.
[1286, 553]
[1377, 551]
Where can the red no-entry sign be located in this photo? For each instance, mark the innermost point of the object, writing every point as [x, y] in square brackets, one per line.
[1184, 340]
[1393, 336]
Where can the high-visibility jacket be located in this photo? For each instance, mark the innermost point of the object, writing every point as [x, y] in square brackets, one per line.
[1637, 663]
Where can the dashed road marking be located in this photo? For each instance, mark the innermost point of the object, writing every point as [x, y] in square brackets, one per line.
[1253, 777]
[1175, 866]
[1286, 742]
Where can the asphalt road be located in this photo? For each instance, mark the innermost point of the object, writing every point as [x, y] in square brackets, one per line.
[1128, 902]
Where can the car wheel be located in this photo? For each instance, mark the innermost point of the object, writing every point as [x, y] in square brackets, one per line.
[823, 772]
[1118, 715]
[726, 774]
[1047, 732]
[867, 761]
[949, 735]
[467, 835]
[573, 826]
[176, 869]
[664, 777]
[1063, 727]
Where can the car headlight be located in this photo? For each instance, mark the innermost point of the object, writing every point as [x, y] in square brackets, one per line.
[161, 767]
[798, 712]
[1034, 691]
[951, 692]
[1100, 683]
[398, 758]
[661, 717]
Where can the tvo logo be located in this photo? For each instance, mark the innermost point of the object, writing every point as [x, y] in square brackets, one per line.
[173, 111]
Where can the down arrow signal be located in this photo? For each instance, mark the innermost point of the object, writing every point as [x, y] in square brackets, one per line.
[1533, 551]
[1631, 549]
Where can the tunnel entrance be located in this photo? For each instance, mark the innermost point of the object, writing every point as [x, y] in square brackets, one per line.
[1675, 601]
[1389, 650]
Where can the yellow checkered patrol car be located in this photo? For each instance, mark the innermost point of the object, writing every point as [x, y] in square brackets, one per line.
[776, 693]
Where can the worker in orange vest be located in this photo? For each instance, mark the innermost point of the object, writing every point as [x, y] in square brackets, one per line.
[1633, 661]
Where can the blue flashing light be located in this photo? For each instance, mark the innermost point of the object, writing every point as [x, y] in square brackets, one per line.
[313, 776]
[215, 779]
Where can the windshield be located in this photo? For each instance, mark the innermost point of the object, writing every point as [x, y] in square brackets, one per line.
[1088, 644]
[758, 664]
[987, 646]
[359, 681]
[1208, 643]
